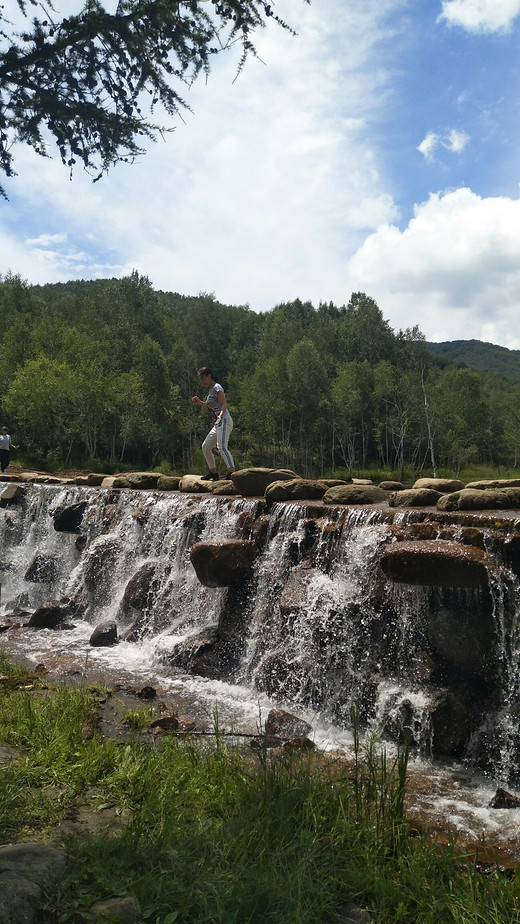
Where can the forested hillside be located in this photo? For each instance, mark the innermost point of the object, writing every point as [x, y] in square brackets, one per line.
[487, 357]
[101, 374]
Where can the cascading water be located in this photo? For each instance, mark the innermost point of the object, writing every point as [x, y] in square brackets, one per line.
[323, 630]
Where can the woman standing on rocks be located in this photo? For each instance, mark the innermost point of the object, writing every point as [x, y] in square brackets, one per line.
[220, 432]
[5, 448]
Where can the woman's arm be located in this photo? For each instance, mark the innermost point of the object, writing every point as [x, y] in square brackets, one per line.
[221, 398]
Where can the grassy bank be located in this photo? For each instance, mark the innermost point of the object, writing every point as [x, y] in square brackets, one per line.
[223, 835]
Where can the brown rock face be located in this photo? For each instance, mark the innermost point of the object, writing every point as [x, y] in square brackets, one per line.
[437, 563]
[415, 497]
[222, 564]
[252, 482]
[443, 485]
[355, 494]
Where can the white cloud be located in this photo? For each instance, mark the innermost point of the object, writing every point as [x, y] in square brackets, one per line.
[481, 15]
[428, 144]
[454, 270]
[455, 141]
[43, 240]
[259, 196]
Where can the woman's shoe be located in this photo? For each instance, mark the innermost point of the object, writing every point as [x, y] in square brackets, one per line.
[211, 476]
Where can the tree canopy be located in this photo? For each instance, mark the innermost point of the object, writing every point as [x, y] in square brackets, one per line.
[102, 373]
[91, 82]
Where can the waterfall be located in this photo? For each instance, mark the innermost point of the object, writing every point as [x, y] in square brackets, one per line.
[321, 627]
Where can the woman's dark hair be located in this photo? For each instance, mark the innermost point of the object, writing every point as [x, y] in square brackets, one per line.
[205, 370]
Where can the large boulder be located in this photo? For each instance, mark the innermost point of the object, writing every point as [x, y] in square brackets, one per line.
[44, 569]
[438, 563]
[222, 564]
[104, 635]
[198, 654]
[295, 489]
[168, 483]
[285, 725]
[295, 594]
[142, 480]
[193, 484]
[24, 868]
[462, 632]
[252, 482]
[414, 497]
[13, 494]
[355, 494]
[68, 519]
[507, 498]
[484, 485]
[224, 488]
[140, 589]
[48, 616]
[442, 485]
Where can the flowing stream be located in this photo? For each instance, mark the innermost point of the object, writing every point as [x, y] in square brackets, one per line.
[322, 636]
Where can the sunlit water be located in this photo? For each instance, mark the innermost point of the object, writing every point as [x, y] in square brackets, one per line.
[326, 641]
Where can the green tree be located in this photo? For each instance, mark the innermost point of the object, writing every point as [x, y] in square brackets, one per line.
[44, 400]
[83, 79]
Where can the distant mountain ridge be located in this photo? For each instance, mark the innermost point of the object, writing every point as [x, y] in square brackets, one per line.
[477, 354]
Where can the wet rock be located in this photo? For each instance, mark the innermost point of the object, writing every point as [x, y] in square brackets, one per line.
[285, 725]
[265, 741]
[414, 497]
[69, 519]
[355, 494]
[453, 719]
[504, 800]
[48, 616]
[221, 564]
[104, 635]
[100, 563]
[13, 494]
[140, 590]
[461, 629]
[110, 517]
[423, 667]
[511, 552]
[252, 482]
[44, 569]
[198, 653]
[391, 485]
[295, 594]
[81, 542]
[437, 563]
[23, 870]
[442, 485]
[299, 743]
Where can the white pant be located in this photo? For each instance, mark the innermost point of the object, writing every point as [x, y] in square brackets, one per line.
[219, 436]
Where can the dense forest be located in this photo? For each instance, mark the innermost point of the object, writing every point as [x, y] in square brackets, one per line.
[100, 374]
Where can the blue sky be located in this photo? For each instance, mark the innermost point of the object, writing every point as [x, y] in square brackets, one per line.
[377, 151]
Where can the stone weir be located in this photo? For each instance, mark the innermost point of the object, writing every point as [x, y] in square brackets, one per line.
[399, 605]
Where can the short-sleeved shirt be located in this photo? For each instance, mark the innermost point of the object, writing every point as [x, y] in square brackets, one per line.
[5, 441]
[212, 401]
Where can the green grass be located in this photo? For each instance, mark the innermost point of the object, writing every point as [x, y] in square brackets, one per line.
[227, 836]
